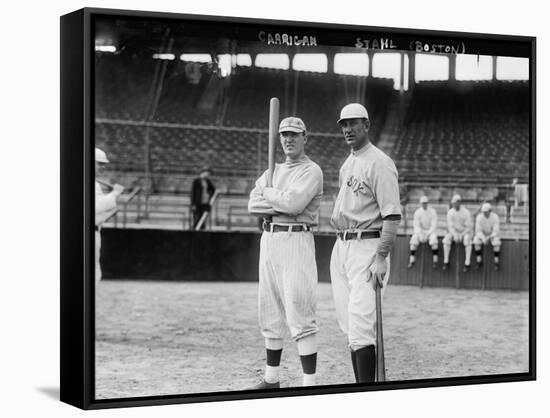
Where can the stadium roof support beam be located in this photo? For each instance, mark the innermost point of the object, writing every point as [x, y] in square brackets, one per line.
[494, 69]
[370, 55]
[411, 70]
[452, 68]
[402, 72]
[330, 63]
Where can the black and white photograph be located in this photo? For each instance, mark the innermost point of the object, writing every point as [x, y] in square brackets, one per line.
[187, 187]
[283, 206]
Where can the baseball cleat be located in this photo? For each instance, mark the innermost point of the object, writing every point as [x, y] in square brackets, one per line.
[411, 265]
[466, 268]
[496, 267]
[265, 385]
[445, 266]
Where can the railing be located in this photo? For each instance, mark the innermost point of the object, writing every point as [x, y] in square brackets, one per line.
[128, 199]
[235, 211]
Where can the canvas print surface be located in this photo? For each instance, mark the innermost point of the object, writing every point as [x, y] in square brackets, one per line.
[386, 240]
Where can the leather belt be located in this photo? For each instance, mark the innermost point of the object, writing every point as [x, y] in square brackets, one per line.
[272, 227]
[345, 235]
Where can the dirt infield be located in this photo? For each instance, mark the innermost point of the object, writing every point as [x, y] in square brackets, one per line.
[162, 338]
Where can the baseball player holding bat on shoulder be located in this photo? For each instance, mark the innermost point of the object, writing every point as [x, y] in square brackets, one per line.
[366, 215]
[105, 205]
[287, 267]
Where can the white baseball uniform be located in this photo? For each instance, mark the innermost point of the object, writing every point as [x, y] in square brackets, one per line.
[487, 229]
[287, 267]
[368, 192]
[105, 206]
[424, 227]
[459, 223]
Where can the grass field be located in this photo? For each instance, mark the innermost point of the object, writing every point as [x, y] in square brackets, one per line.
[162, 338]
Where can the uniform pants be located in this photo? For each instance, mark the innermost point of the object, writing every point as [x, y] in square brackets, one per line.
[288, 285]
[354, 297]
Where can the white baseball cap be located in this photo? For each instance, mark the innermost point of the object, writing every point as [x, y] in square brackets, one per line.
[486, 207]
[353, 111]
[456, 198]
[423, 199]
[100, 156]
[292, 124]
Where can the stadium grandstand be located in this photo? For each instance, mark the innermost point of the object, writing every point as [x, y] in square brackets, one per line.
[168, 104]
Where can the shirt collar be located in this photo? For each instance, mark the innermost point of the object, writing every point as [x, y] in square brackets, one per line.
[289, 161]
[362, 150]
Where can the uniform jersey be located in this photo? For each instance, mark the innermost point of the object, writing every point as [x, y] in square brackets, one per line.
[105, 204]
[487, 226]
[459, 221]
[295, 196]
[369, 190]
[425, 220]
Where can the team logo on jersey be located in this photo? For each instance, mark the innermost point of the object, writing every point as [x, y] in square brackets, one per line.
[357, 185]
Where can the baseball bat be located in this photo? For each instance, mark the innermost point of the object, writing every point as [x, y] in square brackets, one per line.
[380, 364]
[105, 183]
[202, 220]
[273, 135]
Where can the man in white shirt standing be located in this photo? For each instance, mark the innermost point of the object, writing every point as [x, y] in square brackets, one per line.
[105, 206]
[287, 266]
[366, 216]
[459, 223]
[487, 230]
[425, 225]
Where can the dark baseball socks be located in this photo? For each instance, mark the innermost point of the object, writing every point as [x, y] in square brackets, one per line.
[272, 366]
[435, 257]
[307, 348]
[364, 364]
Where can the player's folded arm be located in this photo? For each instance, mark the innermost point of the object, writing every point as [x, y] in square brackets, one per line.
[294, 200]
[257, 205]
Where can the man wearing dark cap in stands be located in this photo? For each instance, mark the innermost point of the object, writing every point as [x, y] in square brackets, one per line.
[201, 192]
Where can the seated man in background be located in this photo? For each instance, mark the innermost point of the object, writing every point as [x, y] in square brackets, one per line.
[487, 230]
[459, 223]
[425, 224]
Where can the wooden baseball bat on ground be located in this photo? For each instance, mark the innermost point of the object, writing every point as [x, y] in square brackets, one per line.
[380, 364]
[273, 136]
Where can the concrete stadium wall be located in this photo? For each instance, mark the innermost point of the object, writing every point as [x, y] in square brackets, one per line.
[233, 256]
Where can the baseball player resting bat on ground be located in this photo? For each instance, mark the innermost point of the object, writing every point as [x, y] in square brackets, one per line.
[366, 215]
[287, 267]
[105, 205]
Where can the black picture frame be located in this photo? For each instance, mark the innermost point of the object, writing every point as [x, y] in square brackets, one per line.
[77, 169]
